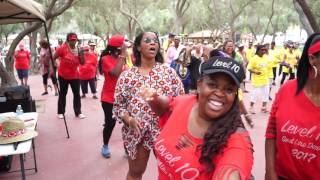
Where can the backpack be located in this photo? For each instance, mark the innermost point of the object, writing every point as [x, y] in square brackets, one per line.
[17, 92]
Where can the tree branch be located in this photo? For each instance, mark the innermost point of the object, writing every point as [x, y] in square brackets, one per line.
[306, 14]
[270, 18]
[185, 9]
[60, 10]
[129, 15]
[51, 6]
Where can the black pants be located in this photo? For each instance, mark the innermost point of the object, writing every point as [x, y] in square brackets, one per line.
[75, 87]
[109, 122]
[284, 75]
[274, 70]
[84, 86]
[280, 69]
[45, 79]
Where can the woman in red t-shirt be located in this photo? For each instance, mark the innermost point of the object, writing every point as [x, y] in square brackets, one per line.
[112, 63]
[22, 60]
[202, 136]
[293, 136]
[87, 72]
[70, 58]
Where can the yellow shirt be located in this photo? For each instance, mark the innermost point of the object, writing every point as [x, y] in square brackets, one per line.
[298, 53]
[270, 65]
[274, 54]
[282, 53]
[240, 94]
[260, 64]
[292, 60]
[250, 53]
[128, 58]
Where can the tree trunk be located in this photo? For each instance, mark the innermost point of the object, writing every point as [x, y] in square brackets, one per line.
[33, 52]
[7, 78]
[303, 19]
[6, 42]
[306, 11]
[269, 21]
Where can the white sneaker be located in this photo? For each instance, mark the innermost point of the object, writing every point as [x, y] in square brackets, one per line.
[60, 116]
[81, 116]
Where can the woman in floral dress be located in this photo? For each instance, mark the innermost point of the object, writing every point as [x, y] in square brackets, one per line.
[141, 124]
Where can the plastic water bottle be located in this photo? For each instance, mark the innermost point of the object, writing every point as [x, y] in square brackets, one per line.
[19, 110]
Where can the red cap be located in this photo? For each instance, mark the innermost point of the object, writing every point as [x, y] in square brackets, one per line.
[85, 48]
[116, 41]
[73, 37]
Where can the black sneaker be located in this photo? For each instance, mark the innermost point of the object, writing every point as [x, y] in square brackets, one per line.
[45, 93]
[83, 96]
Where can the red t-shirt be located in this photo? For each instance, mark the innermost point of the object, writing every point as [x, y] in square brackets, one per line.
[109, 85]
[89, 68]
[295, 124]
[69, 62]
[177, 160]
[22, 59]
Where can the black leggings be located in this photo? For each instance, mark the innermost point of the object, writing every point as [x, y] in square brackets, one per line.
[284, 75]
[274, 70]
[109, 122]
[280, 69]
[45, 79]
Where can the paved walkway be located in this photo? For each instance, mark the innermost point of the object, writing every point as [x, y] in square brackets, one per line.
[79, 157]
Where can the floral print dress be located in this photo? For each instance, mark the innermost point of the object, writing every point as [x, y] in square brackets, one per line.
[128, 99]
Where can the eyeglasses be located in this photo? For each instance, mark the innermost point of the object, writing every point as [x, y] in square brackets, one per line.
[148, 40]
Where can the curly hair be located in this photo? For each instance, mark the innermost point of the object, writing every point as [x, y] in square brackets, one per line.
[217, 135]
[137, 54]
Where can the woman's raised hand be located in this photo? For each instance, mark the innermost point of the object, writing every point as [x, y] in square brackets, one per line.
[148, 94]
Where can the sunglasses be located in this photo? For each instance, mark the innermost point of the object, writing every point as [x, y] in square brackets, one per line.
[149, 40]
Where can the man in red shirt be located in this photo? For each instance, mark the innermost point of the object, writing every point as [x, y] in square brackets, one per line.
[70, 58]
[22, 60]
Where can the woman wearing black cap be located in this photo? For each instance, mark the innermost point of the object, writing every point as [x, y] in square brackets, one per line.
[204, 137]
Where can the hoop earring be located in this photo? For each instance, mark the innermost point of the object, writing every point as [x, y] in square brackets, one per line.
[315, 72]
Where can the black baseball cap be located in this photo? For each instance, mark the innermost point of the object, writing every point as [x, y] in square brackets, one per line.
[223, 65]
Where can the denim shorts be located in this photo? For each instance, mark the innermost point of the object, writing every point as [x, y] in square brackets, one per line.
[22, 73]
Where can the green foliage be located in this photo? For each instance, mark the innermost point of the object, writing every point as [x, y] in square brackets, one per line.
[104, 16]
